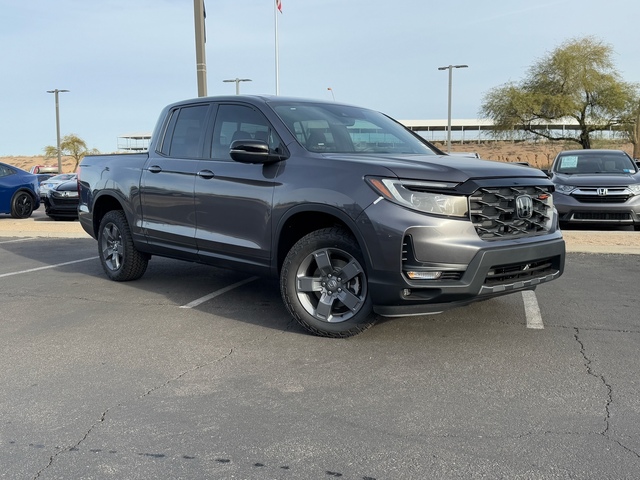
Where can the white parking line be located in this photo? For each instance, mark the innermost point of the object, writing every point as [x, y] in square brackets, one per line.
[200, 300]
[47, 267]
[17, 240]
[532, 310]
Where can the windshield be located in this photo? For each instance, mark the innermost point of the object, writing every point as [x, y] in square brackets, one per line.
[590, 164]
[330, 128]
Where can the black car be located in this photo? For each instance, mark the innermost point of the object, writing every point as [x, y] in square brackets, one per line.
[596, 186]
[61, 202]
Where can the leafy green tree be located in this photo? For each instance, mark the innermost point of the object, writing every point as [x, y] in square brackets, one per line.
[71, 146]
[577, 80]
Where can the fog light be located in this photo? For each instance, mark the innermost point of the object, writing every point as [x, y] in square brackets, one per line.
[406, 292]
[424, 275]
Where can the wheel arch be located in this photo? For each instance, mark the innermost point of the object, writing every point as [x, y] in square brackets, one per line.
[102, 205]
[301, 220]
[24, 190]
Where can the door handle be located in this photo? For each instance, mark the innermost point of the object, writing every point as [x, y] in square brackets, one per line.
[155, 169]
[206, 174]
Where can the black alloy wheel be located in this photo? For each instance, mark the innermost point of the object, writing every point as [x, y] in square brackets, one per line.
[120, 260]
[22, 205]
[324, 284]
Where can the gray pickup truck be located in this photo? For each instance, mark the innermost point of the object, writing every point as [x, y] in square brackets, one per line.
[355, 214]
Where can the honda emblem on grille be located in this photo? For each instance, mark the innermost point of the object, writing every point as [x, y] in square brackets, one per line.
[602, 192]
[524, 206]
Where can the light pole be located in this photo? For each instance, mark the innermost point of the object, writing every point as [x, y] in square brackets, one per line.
[201, 38]
[332, 95]
[238, 80]
[450, 68]
[55, 92]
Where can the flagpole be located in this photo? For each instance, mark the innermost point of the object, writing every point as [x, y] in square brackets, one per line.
[275, 16]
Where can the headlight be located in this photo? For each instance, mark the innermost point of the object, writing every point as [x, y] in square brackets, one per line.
[635, 188]
[414, 195]
[566, 189]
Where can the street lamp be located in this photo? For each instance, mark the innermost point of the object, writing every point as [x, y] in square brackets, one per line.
[56, 91]
[450, 68]
[238, 80]
[201, 38]
[331, 90]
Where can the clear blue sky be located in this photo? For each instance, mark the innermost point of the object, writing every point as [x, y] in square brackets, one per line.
[123, 60]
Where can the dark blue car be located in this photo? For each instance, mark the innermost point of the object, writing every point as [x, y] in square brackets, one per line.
[18, 191]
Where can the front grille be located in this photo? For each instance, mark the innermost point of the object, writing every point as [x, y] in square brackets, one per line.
[502, 274]
[601, 216]
[494, 214]
[601, 199]
[64, 201]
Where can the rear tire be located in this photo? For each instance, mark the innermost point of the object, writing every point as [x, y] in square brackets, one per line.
[22, 205]
[120, 260]
[324, 284]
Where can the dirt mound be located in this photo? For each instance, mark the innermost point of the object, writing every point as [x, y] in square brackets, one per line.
[25, 163]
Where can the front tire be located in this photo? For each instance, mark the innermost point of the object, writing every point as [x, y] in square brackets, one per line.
[22, 205]
[120, 260]
[324, 284]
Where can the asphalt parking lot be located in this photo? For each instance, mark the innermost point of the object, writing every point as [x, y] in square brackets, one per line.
[196, 372]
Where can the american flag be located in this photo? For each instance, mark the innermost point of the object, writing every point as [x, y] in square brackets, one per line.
[279, 5]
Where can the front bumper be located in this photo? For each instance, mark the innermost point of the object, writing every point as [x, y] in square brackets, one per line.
[61, 208]
[572, 211]
[470, 269]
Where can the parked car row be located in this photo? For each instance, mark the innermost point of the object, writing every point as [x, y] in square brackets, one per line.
[22, 192]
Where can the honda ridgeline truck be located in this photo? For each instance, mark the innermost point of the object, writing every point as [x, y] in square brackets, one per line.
[357, 215]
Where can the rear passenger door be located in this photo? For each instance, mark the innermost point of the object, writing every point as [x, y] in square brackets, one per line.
[167, 183]
[234, 200]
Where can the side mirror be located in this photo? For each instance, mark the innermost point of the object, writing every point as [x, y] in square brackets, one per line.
[253, 151]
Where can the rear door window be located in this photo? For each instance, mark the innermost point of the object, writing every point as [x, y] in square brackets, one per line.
[186, 132]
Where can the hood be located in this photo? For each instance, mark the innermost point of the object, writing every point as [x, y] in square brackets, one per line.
[68, 185]
[596, 179]
[445, 168]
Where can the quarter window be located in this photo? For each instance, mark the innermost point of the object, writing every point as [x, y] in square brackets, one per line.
[5, 171]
